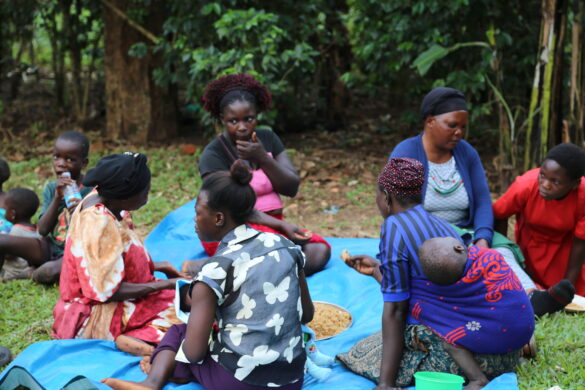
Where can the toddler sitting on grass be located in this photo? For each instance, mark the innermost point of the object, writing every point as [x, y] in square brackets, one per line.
[20, 205]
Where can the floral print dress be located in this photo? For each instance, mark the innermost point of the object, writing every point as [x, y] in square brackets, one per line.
[254, 276]
[101, 253]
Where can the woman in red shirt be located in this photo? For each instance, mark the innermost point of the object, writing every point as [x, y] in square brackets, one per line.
[549, 204]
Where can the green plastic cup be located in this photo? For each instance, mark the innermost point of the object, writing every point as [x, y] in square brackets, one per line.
[426, 380]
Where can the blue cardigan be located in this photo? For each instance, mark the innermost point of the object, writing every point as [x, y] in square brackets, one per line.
[481, 216]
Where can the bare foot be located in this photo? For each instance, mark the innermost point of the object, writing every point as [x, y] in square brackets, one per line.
[145, 365]
[192, 267]
[118, 384]
[475, 385]
[24, 274]
[134, 346]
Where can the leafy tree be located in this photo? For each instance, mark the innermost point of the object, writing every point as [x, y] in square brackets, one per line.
[388, 36]
[288, 46]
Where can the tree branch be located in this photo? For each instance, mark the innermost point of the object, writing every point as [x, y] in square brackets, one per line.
[132, 23]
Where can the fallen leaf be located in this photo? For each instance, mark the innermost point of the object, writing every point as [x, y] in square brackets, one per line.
[187, 149]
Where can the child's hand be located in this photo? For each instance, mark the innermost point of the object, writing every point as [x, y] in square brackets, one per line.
[63, 182]
[74, 203]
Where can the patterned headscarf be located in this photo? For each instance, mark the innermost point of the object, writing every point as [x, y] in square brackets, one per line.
[402, 176]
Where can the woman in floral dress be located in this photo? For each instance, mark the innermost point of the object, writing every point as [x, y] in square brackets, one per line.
[107, 287]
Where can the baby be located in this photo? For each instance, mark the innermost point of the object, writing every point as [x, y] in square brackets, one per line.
[473, 301]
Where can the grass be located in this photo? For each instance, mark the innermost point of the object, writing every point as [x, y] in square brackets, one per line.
[26, 308]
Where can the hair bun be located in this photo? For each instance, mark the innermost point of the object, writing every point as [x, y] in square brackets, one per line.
[240, 173]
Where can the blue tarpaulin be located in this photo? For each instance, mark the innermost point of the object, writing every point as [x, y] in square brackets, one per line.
[55, 363]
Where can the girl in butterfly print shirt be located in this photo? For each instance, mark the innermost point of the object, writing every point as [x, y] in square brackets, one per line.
[256, 290]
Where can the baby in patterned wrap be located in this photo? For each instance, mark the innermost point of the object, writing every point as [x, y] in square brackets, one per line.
[473, 301]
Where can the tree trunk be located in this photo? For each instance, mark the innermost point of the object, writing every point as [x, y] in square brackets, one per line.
[576, 103]
[556, 116]
[545, 112]
[337, 61]
[136, 108]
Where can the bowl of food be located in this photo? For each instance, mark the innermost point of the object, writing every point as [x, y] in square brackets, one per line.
[329, 320]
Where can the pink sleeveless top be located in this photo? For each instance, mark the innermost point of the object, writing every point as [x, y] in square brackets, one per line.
[266, 198]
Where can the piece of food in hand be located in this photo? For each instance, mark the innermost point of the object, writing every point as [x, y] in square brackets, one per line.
[345, 256]
[304, 236]
[254, 139]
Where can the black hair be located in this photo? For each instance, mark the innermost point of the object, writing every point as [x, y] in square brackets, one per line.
[442, 264]
[79, 138]
[409, 200]
[234, 88]
[237, 95]
[406, 200]
[24, 201]
[231, 191]
[570, 157]
[4, 171]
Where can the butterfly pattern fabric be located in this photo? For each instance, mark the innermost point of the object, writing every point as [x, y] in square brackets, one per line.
[255, 278]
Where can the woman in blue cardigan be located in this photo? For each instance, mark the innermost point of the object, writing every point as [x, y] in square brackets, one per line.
[455, 188]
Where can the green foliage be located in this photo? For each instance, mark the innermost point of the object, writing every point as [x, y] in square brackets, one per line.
[389, 37]
[281, 44]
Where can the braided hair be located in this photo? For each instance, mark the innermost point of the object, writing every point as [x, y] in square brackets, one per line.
[232, 88]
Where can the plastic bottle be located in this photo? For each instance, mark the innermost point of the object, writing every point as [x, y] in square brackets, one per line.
[71, 192]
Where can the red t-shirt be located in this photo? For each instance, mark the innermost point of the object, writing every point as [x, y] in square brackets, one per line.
[544, 228]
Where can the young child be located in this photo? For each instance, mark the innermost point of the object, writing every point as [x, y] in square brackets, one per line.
[69, 155]
[254, 288]
[20, 204]
[549, 204]
[5, 225]
[473, 301]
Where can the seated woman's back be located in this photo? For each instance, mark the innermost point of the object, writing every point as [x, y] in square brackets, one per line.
[255, 278]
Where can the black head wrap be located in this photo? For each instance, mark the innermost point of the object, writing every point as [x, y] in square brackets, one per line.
[119, 176]
[442, 100]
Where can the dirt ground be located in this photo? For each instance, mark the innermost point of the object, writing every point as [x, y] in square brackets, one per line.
[338, 172]
[338, 169]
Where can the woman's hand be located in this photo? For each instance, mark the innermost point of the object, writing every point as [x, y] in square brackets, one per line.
[294, 233]
[168, 269]
[365, 265]
[171, 283]
[482, 243]
[252, 151]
